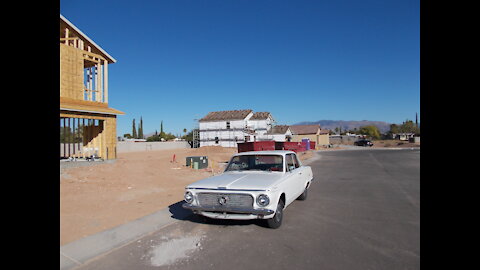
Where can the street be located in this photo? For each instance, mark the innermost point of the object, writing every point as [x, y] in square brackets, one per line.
[362, 212]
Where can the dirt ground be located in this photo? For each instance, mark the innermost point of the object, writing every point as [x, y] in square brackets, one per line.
[394, 144]
[99, 197]
[379, 144]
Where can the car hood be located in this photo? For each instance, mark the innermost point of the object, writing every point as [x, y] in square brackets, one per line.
[238, 180]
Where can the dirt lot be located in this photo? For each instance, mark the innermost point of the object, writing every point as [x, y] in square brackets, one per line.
[101, 196]
[379, 144]
[394, 143]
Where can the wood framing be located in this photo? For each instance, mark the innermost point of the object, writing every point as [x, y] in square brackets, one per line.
[87, 124]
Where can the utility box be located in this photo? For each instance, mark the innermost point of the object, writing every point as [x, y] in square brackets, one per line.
[197, 162]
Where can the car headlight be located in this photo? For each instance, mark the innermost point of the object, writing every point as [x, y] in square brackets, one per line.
[188, 197]
[263, 200]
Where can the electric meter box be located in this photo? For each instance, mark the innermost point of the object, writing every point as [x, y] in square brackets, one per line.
[202, 162]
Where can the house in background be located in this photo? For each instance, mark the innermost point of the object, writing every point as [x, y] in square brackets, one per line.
[261, 123]
[312, 132]
[403, 136]
[87, 124]
[225, 128]
[280, 133]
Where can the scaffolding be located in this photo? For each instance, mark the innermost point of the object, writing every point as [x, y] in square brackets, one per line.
[196, 138]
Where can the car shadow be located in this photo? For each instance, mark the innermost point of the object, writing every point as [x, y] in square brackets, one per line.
[180, 213]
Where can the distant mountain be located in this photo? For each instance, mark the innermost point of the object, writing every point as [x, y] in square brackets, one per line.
[348, 125]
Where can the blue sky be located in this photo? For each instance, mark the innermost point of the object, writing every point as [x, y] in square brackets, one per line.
[177, 60]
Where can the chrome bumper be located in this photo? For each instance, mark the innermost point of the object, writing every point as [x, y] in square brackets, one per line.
[229, 210]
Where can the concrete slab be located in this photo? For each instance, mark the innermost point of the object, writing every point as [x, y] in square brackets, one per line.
[82, 250]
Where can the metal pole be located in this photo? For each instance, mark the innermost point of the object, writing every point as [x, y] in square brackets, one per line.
[78, 134]
[63, 138]
[69, 137]
[74, 138]
[60, 137]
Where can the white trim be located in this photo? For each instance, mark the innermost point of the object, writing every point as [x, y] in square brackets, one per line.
[87, 38]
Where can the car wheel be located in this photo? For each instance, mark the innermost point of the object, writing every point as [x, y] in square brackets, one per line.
[303, 196]
[276, 221]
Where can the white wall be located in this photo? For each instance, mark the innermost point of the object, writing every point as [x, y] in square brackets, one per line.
[226, 137]
[212, 129]
[123, 147]
[261, 126]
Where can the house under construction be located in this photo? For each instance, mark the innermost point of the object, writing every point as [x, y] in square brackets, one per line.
[87, 124]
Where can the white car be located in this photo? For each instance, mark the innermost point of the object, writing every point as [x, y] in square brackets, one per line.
[254, 185]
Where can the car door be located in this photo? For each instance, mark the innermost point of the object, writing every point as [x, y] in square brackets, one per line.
[301, 173]
[293, 179]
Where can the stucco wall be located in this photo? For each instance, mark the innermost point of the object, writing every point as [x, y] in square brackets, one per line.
[320, 140]
[123, 147]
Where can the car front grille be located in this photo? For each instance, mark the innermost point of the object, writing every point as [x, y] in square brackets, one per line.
[230, 200]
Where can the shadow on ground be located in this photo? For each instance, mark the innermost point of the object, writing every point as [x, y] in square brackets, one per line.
[178, 212]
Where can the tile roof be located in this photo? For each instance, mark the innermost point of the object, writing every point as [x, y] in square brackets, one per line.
[304, 129]
[225, 115]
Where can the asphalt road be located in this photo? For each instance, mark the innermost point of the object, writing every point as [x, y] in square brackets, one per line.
[362, 212]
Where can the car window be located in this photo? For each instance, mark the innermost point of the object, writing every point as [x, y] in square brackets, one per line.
[290, 162]
[295, 160]
[269, 163]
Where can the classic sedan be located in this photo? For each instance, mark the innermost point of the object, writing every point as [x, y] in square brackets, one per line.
[254, 185]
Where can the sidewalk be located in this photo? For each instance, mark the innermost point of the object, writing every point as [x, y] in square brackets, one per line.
[81, 251]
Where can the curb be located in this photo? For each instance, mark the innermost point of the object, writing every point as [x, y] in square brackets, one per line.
[81, 251]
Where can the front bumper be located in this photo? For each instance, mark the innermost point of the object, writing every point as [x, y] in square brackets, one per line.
[264, 212]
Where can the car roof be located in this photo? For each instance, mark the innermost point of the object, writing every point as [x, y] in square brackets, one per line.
[272, 152]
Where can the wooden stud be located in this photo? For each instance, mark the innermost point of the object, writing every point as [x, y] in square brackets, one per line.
[64, 132]
[100, 76]
[73, 133]
[84, 140]
[105, 90]
[97, 82]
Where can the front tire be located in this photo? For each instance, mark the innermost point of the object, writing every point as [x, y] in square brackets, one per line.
[276, 221]
[303, 196]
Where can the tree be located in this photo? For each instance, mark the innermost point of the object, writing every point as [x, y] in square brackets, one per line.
[134, 130]
[189, 138]
[408, 127]
[394, 128]
[162, 133]
[154, 138]
[140, 129]
[127, 135]
[371, 131]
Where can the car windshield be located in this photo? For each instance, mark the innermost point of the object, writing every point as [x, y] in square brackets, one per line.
[269, 163]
